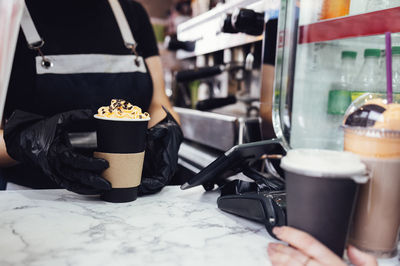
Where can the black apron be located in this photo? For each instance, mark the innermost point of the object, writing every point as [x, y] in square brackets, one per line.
[80, 81]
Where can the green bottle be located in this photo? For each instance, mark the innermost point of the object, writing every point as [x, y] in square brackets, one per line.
[339, 94]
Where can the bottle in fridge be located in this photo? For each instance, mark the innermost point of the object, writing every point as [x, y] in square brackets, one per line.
[335, 8]
[396, 72]
[367, 81]
[340, 91]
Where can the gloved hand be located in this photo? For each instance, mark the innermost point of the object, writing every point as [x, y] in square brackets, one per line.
[161, 156]
[44, 143]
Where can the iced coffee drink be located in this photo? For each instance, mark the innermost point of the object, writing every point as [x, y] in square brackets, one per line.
[121, 140]
[373, 131]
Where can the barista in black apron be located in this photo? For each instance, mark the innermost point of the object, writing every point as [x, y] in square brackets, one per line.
[66, 82]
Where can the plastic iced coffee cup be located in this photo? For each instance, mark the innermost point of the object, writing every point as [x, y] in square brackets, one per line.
[321, 188]
[372, 130]
[122, 142]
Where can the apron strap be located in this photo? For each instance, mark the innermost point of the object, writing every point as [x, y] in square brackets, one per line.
[124, 28]
[29, 29]
[122, 24]
[36, 42]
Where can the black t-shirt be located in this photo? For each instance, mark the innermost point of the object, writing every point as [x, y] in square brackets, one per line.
[70, 27]
[74, 27]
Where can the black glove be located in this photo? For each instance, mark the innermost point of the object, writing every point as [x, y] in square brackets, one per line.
[161, 157]
[43, 142]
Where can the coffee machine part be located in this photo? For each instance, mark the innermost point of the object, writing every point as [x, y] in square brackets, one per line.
[210, 71]
[236, 62]
[210, 60]
[226, 24]
[213, 103]
[243, 20]
[199, 73]
[227, 56]
[235, 160]
[200, 61]
[172, 44]
[248, 21]
[249, 61]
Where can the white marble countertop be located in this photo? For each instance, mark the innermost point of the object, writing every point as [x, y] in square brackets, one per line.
[174, 227]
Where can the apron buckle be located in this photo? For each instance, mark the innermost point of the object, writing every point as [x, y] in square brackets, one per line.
[132, 47]
[46, 63]
[36, 45]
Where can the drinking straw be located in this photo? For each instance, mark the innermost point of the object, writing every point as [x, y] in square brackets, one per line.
[389, 85]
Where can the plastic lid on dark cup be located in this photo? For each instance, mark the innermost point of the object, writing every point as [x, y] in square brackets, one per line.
[325, 163]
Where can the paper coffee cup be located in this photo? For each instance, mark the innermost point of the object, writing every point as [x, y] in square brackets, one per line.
[321, 188]
[122, 143]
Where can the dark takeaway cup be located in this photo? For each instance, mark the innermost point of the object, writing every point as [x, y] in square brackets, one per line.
[121, 141]
[321, 187]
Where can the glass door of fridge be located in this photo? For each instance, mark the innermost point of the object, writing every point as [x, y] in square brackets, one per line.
[324, 62]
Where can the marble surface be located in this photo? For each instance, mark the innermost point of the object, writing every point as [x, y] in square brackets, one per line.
[174, 227]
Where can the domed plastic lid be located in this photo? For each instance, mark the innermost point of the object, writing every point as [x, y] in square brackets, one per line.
[372, 111]
[324, 163]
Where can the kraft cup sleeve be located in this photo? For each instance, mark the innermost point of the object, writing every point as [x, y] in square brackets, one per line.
[125, 169]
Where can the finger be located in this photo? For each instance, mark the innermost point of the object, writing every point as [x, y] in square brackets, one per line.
[84, 177]
[296, 257]
[306, 244]
[359, 258]
[83, 190]
[279, 256]
[80, 161]
[94, 180]
[75, 187]
[69, 117]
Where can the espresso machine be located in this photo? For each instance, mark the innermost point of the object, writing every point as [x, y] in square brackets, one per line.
[219, 111]
[217, 95]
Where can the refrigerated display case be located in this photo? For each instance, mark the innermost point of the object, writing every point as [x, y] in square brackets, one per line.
[309, 60]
